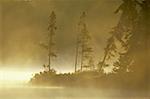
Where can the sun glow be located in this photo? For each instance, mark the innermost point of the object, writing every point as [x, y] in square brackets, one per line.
[14, 77]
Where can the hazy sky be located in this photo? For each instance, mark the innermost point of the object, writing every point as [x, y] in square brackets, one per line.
[23, 25]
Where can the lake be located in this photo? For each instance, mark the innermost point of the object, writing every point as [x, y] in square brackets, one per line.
[28, 92]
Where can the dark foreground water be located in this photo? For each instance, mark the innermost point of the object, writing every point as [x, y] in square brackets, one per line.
[66, 93]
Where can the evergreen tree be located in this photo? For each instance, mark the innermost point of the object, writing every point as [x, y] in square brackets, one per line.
[121, 33]
[137, 54]
[110, 50]
[50, 39]
[139, 49]
[83, 45]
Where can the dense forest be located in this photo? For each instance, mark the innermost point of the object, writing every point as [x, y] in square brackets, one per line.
[128, 49]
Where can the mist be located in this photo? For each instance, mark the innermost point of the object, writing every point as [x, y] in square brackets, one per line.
[24, 25]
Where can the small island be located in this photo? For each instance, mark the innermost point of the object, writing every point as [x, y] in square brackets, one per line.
[126, 50]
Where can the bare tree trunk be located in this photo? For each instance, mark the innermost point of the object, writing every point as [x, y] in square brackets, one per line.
[76, 58]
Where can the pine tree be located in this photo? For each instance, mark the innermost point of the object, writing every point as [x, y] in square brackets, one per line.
[121, 33]
[110, 50]
[137, 53]
[50, 41]
[83, 45]
[51, 28]
[139, 49]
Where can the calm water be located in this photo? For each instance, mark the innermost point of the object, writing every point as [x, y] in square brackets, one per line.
[64, 93]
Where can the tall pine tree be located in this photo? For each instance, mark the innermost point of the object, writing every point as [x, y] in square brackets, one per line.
[84, 46]
[139, 49]
[49, 46]
[121, 33]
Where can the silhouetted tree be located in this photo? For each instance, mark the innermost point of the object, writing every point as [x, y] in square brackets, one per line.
[136, 57]
[139, 49]
[110, 50]
[83, 44]
[51, 28]
[50, 39]
[122, 31]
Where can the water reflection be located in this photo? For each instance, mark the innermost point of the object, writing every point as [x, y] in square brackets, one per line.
[28, 92]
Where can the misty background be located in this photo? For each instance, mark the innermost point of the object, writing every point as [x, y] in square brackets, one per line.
[23, 25]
